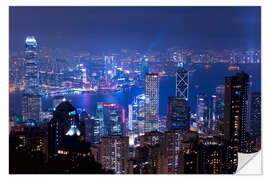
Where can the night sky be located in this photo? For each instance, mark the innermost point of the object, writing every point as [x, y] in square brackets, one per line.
[98, 28]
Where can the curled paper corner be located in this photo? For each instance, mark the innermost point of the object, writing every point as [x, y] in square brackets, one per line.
[250, 164]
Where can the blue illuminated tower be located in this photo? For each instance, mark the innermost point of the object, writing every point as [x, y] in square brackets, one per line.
[31, 66]
[182, 79]
[31, 100]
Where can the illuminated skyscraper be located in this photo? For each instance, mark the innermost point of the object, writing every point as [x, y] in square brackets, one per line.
[178, 114]
[137, 114]
[31, 100]
[203, 113]
[216, 112]
[31, 66]
[84, 77]
[182, 80]
[130, 117]
[99, 124]
[151, 108]
[31, 106]
[219, 114]
[114, 120]
[255, 119]
[235, 110]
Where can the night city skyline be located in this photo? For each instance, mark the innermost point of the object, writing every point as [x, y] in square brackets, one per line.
[133, 90]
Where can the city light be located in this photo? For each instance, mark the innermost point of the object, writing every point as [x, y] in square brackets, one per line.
[105, 106]
[109, 105]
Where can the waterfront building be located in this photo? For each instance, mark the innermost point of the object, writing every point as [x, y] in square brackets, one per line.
[31, 66]
[31, 100]
[31, 107]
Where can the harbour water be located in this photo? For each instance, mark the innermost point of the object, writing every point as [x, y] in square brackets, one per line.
[202, 80]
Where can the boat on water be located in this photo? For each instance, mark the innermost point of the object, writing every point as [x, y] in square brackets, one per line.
[233, 68]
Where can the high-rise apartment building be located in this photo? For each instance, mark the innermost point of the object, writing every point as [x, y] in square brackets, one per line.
[255, 119]
[151, 107]
[114, 153]
[235, 110]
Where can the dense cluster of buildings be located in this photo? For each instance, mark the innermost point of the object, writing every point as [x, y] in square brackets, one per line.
[64, 71]
[207, 142]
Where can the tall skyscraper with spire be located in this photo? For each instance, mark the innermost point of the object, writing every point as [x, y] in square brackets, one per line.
[182, 80]
[31, 100]
[31, 66]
